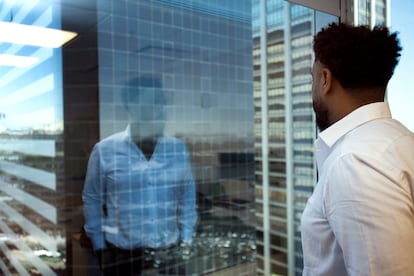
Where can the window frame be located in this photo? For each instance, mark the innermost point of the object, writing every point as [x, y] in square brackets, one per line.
[339, 8]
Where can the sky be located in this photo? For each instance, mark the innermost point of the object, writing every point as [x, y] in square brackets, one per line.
[401, 85]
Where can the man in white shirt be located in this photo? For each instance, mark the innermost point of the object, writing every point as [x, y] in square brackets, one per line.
[360, 218]
[139, 194]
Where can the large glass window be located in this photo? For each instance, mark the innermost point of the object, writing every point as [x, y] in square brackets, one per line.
[139, 130]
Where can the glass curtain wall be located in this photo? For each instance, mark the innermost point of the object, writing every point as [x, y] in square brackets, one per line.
[291, 129]
[54, 111]
[201, 54]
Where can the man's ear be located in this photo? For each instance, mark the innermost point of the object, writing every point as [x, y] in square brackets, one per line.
[326, 79]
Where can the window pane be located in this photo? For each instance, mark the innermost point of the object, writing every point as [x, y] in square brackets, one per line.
[74, 128]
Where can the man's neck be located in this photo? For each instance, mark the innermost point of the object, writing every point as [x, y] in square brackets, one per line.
[147, 145]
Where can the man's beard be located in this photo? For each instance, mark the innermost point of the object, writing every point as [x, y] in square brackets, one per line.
[321, 112]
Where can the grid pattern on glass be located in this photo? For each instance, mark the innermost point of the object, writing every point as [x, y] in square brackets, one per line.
[200, 52]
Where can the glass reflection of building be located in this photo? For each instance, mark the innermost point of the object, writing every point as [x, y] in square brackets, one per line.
[285, 169]
[55, 110]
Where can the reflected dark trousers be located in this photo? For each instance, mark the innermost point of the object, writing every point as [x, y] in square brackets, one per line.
[117, 261]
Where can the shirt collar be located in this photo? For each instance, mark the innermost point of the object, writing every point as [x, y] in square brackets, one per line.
[354, 119]
[126, 134]
[332, 134]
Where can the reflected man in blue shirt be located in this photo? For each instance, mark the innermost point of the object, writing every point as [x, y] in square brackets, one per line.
[139, 190]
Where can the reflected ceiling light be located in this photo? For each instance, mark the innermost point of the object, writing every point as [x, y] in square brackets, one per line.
[34, 35]
[17, 61]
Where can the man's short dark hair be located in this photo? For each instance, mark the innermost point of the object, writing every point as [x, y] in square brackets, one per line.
[358, 56]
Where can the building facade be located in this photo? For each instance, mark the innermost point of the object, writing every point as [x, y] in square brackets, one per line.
[285, 127]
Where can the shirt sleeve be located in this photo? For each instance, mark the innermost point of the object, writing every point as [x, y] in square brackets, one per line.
[93, 194]
[187, 215]
[371, 216]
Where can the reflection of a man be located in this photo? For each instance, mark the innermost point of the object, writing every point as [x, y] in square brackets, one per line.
[139, 191]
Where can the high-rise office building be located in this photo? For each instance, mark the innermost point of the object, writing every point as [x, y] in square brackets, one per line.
[285, 127]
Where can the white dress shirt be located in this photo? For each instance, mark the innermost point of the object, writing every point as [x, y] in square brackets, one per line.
[149, 203]
[360, 218]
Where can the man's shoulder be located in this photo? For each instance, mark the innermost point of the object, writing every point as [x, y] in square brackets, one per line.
[175, 145]
[167, 138]
[378, 130]
[376, 138]
[110, 140]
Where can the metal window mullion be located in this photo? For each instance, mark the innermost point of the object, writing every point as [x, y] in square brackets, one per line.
[388, 13]
[373, 13]
[265, 140]
[289, 140]
[356, 12]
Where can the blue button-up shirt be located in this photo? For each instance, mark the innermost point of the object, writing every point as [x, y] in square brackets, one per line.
[149, 203]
